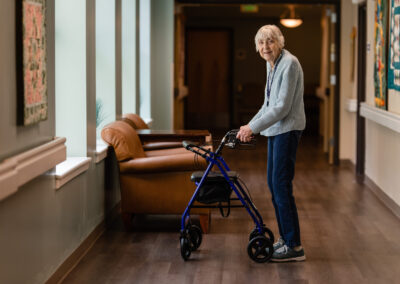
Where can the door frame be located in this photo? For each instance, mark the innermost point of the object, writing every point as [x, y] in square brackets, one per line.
[337, 91]
[361, 64]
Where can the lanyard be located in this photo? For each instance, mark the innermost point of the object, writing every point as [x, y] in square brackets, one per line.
[269, 82]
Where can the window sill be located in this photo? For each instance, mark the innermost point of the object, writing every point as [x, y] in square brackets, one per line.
[20, 169]
[69, 169]
[382, 117]
[101, 151]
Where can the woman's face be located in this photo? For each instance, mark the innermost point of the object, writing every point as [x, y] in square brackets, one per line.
[268, 49]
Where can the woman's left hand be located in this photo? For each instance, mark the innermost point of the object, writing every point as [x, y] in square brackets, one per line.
[245, 133]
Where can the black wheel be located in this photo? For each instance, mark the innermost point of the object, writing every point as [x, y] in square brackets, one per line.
[196, 236]
[269, 233]
[254, 234]
[260, 249]
[185, 248]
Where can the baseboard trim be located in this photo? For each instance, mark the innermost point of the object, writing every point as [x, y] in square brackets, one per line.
[382, 196]
[72, 261]
[379, 193]
[347, 163]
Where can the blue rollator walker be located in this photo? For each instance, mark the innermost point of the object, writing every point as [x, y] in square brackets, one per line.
[216, 187]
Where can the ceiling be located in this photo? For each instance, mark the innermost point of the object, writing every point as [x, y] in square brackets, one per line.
[264, 11]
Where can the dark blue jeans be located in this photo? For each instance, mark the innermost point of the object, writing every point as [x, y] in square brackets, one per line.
[282, 150]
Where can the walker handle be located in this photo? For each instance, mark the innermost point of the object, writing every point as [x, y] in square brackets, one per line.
[188, 144]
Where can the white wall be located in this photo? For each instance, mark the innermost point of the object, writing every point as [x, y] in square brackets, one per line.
[382, 161]
[382, 144]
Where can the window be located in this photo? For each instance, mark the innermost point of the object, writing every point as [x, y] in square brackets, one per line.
[70, 74]
[128, 56]
[105, 63]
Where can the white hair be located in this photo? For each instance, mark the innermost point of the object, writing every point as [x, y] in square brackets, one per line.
[270, 32]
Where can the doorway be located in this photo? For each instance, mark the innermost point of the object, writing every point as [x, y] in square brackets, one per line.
[246, 74]
[208, 69]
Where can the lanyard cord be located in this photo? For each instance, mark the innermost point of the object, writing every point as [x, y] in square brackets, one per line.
[269, 83]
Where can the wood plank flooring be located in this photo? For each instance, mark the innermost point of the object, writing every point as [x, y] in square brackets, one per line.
[349, 236]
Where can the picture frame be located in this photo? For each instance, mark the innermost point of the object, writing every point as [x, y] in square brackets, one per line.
[394, 51]
[31, 61]
[380, 53]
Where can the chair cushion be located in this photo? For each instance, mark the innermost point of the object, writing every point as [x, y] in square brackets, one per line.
[124, 139]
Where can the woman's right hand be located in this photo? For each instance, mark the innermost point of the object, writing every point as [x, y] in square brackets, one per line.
[245, 133]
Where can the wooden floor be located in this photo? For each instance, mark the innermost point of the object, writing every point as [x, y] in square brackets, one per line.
[349, 236]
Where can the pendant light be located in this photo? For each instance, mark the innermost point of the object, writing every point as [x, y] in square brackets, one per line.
[289, 18]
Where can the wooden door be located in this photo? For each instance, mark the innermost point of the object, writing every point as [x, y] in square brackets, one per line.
[208, 68]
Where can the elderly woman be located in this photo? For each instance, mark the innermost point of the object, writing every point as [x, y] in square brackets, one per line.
[281, 118]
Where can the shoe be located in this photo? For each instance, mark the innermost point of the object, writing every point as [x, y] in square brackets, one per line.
[279, 244]
[286, 253]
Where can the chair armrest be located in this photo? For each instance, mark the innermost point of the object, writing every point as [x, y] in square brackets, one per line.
[171, 163]
[161, 145]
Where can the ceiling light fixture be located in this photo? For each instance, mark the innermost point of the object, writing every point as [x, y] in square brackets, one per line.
[289, 18]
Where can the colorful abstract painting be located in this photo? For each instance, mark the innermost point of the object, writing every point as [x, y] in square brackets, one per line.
[394, 50]
[381, 14]
[31, 56]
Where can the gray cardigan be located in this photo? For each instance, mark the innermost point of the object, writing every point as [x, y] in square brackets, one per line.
[286, 107]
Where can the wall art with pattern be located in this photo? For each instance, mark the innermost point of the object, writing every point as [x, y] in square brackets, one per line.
[31, 61]
[380, 59]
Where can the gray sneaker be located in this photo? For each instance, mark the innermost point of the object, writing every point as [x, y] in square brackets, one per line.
[279, 244]
[286, 253]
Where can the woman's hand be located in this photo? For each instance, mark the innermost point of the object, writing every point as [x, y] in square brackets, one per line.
[244, 133]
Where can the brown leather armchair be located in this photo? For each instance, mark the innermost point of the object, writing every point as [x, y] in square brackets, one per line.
[137, 122]
[152, 184]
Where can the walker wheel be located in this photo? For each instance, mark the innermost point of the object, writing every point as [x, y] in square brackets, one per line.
[195, 236]
[185, 248]
[255, 233]
[260, 249]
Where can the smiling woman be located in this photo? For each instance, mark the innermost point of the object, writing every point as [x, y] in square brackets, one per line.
[269, 43]
[282, 119]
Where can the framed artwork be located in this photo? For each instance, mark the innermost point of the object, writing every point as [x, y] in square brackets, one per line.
[394, 50]
[31, 61]
[380, 66]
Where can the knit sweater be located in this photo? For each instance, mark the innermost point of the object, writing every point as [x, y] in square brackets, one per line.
[285, 111]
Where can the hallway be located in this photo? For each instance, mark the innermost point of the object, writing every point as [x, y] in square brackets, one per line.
[349, 236]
